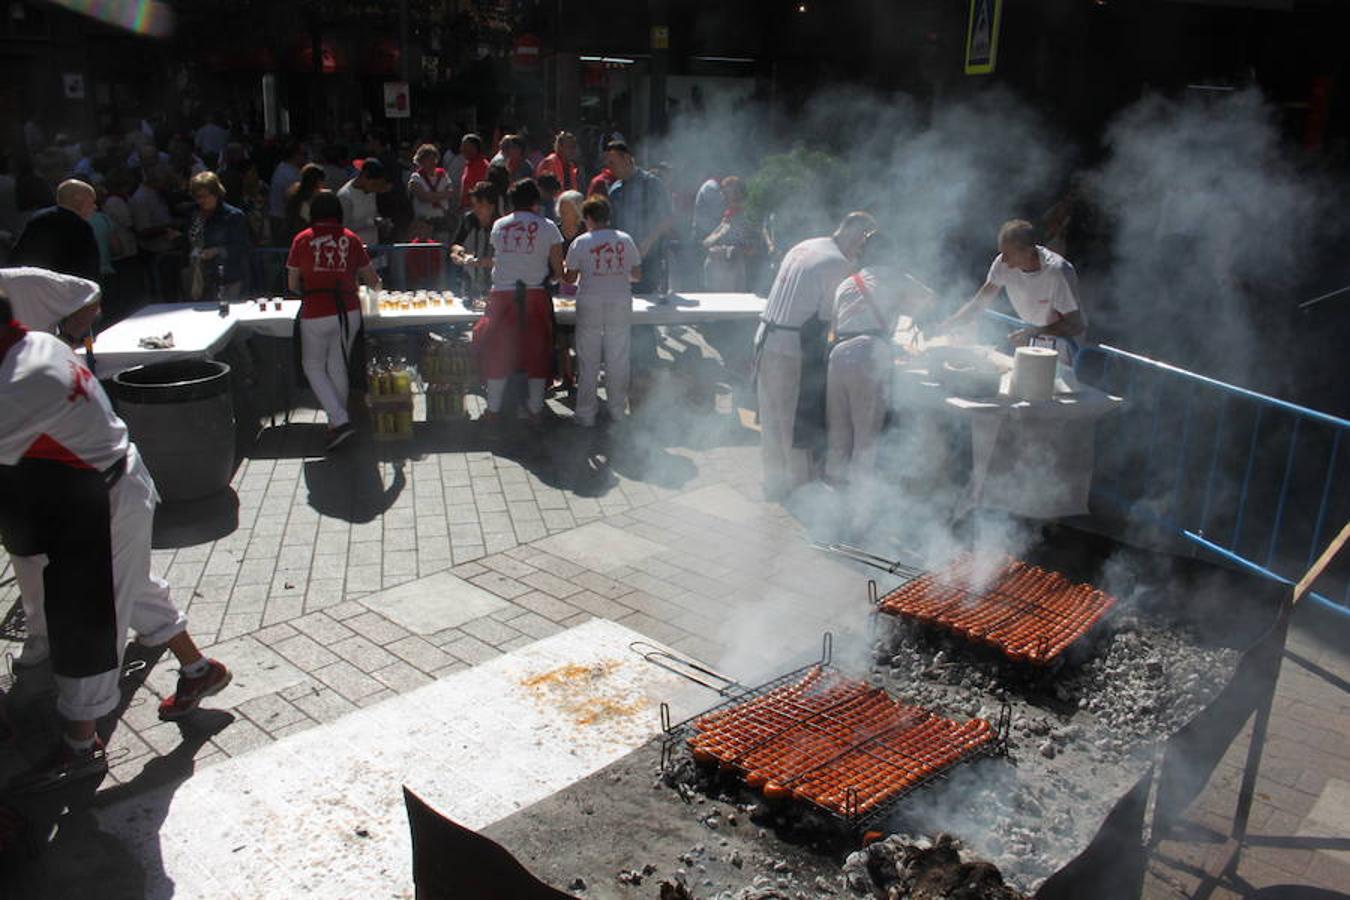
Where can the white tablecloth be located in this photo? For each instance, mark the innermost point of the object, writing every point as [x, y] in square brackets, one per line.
[1030, 459]
[200, 331]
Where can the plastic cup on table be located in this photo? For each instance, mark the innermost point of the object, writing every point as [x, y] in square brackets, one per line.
[276, 304]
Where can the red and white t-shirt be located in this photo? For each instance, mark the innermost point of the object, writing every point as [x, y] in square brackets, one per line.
[520, 248]
[52, 407]
[328, 257]
[604, 259]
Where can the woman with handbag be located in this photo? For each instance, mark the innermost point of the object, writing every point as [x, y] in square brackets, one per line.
[325, 265]
[218, 242]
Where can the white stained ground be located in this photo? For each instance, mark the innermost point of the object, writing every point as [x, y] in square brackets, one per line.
[320, 813]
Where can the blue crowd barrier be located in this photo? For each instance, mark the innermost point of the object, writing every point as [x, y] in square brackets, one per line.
[1247, 477]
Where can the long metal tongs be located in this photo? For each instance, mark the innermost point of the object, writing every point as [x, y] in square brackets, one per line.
[867, 558]
[688, 669]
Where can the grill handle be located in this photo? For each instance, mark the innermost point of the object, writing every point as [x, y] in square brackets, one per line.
[686, 668]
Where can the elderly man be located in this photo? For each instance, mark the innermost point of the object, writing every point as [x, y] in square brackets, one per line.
[60, 237]
[561, 163]
[1042, 287]
[790, 350]
[641, 209]
[76, 508]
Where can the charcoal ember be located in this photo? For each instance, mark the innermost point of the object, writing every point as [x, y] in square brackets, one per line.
[674, 890]
[909, 868]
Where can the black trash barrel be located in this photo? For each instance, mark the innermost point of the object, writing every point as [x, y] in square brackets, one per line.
[181, 416]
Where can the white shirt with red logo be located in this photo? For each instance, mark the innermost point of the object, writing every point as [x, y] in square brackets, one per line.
[520, 246]
[1042, 297]
[604, 258]
[52, 407]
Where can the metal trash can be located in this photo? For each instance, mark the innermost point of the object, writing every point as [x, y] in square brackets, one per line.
[181, 416]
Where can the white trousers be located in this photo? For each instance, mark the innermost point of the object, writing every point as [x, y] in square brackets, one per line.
[856, 397]
[604, 335]
[778, 385]
[323, 356]
[142, 599]
[534, 399]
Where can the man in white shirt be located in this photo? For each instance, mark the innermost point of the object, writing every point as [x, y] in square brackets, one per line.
[607, 263]
[360, 210]
[76, 510]
[867, 309]
[1042, 287]
[802, 297]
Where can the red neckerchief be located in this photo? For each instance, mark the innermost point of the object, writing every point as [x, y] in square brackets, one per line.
[16, 334]
[731, 212]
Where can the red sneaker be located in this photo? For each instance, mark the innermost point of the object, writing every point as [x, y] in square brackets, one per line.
[192, 691]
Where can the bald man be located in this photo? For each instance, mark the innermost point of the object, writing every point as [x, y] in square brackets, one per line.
[60, 237]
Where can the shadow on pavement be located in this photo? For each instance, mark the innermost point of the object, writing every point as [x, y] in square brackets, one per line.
[189, 522]
[55, 844]
[348, 484]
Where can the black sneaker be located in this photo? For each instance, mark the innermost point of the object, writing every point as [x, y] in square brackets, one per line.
[65, 766]
[339, 436]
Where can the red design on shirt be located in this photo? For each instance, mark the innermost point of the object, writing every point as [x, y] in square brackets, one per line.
[517, 233]
[328, 257]
[80, 376]
[608, 257]
[47, 447]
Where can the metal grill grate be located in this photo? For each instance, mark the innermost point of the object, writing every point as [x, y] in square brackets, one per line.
[1028, 613]
[830, 742]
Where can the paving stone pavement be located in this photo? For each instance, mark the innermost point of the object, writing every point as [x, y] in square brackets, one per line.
[336, 583]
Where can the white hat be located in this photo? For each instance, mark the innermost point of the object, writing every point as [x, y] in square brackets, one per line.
[42, 298]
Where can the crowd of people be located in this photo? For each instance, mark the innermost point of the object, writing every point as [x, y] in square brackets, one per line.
[175, 216]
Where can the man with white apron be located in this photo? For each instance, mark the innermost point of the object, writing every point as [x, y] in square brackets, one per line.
[867, 309]
[1042, 287]
[800, 305]
[76, 509]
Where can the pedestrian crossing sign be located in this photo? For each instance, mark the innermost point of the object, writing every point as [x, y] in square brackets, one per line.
[986, 16]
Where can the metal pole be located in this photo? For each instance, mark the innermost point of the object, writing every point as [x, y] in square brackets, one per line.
[1261, 727]
[660, 66]
[403, 69]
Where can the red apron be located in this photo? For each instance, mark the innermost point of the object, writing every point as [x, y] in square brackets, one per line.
[503, 346]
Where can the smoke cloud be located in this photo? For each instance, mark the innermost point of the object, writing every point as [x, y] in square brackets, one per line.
[1213, 225]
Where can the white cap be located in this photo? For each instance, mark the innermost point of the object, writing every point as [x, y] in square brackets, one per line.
[42, 298]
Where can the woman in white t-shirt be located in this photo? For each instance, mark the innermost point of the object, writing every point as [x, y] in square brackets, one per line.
[606, 262]
[518, 336]
[1042, 287]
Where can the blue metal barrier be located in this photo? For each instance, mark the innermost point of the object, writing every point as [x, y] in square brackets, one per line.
[1255, 480]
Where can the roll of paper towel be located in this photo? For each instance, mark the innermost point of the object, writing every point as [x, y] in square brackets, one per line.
[1034, 373]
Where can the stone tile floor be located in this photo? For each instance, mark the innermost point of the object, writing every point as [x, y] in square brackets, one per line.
[336, 583]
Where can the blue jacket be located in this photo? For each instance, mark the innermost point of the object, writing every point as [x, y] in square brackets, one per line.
[227, 228]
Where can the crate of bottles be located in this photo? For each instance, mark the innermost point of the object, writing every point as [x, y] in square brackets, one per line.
[449, 373]
[391, 402]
